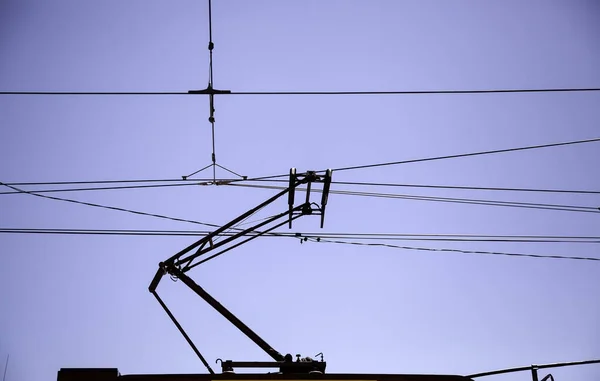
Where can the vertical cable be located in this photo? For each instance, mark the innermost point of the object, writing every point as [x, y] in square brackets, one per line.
[210, 91]
[211, 118]
[211, 45]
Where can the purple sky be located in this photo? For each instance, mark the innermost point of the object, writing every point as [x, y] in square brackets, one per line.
[82, 301]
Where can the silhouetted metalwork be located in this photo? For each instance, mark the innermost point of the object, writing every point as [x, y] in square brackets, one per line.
[534, 369]
[112, 374]
[209, 247]
[211, 92]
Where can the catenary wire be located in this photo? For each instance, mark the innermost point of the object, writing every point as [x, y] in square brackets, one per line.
[308, 235]
[458, 187]
[110, 207]
[359, 92]
[419, 92]
[94, 93]
[105, 188]
[365, 194]
[452, 237]
[82, 182]
[124, 209]
[513, 204]
[477, 252]
[225, 181]
[480, 153]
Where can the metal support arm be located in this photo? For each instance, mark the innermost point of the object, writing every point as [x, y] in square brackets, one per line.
[225, 312]
[185, 260]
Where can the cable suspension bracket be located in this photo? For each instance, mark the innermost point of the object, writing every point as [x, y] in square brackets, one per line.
[211, 92]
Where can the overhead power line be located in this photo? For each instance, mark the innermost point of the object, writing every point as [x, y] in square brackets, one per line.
[171, 183]
[477, 252]
[92, 182]
[435, 158]
[133, 181]
[458, 187]
[317, 92]
[453, 237]
[180, 182]
[320, 235]
[513, 204]
[480, 153]
[94, 93]
[104, 188]
[117, 232]
[419, 92]
[108, 207]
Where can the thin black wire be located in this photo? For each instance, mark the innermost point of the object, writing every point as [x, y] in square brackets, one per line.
[109, 207]
[466, 155]
[417, 92]
[513, 204]
[365, 194]
[240, 223]
[118, 232]
[103, 182]
[538, 256]
[211, 86]
[354, 236]
[261, 178]
[212, 126]
[187, 182]
[467, 187]
[533, 366]
[393, 92]
[466, 237]
[267, 179]
[210, 43]
[93, 93]
[105, 188]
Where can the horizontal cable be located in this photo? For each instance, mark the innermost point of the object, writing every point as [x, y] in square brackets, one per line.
[418, 92]
[360, 92]
[179, 182]
[93, 182]
[480, 153]
[308, 235]
[104, 188]
[458, 187]
[571, 208]
[119, 232]
[477, 252]
[170, 183]
[450, 238]
[108, 207]
[513, 204]
[95, 93]
[132, 181]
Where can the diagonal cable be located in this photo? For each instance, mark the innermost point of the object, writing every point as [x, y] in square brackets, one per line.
[513, 204]
[480, 153]
[108, 207]
[478, 252]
